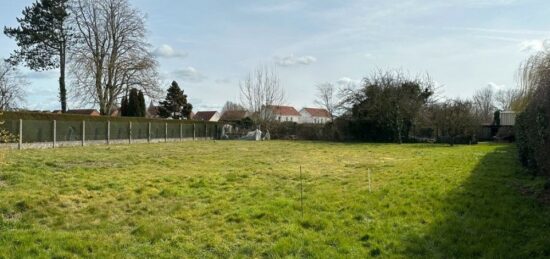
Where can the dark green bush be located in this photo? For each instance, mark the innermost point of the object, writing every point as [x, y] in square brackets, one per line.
[532, 137]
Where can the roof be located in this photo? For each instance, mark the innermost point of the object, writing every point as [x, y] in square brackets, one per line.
[205, 115]
[284, 110]
[318, 112]
[83, 111]
[233, 115]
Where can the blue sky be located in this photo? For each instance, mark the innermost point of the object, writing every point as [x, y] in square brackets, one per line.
[208, 46]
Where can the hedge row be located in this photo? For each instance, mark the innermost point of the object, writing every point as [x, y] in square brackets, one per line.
[533, 136]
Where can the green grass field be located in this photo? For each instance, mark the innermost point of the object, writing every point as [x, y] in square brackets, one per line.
[242, 199]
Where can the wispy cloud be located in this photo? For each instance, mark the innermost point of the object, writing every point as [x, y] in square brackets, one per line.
[190, 74]
[292, 60]
[167, 51]
[534, 45]
[496, 86]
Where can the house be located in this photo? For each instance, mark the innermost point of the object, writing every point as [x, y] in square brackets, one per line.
[314, 116]
[234, 116]
[89, 112]
[207, 116]
[284, 113]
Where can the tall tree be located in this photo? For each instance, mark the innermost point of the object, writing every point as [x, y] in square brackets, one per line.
[133, 103]
[43, 39]
[111, 54]
[326, 98]
[142, 107]
[124, 106]
[260, 91]
[11, 86]
[484, 104]
[175, 103]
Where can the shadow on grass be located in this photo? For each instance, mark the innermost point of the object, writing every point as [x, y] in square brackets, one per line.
[493, 214]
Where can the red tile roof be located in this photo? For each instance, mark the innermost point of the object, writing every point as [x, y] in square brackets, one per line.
[284, 110]
[204, 116]
[318, 112]
[92, 112]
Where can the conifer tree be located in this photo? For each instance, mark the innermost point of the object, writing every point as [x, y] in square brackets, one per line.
[43, 39]
[175, 105]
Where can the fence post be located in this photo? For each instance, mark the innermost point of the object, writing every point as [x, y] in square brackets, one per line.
[129, 132]
[166, 132]
[54, 137]
[108, 132]
[149, 132]
[20, 145]
[194, 131]
[83, 132]
[205, 131]
[181, 131]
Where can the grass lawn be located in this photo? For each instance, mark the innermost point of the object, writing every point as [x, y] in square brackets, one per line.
[242, 199]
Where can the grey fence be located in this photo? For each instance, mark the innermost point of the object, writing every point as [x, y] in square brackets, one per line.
[56, 133]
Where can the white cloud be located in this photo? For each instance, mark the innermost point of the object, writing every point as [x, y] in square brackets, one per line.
[190, 74]
[534, 45]
[346, 81]
[292, 60]
[495, 86]
[166, 51]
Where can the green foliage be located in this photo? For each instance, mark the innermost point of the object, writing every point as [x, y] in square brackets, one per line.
[6, 136]
[209, 200]
[124, 106]
[43, 39]
[175, 104]
[142, 106]
[388, 105]
[533, 138]
[133, 105]
[533, 124]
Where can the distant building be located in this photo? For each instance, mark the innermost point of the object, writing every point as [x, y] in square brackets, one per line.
[284, 113]
[508, 118]
[152, 111]
[89, 112]
[314, 116]
[234, 116]
[207, 116]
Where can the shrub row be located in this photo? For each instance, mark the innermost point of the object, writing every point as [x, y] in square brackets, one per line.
[532, 136]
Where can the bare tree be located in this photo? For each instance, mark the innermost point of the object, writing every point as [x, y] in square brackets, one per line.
[506, 99]
[484, 103]
[11, 86]
[260, 92]
[326, 98]
[111, 54]
[231, 106]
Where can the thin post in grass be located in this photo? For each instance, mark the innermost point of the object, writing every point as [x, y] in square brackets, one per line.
[83, 132]
[54, 133]
[108, 132]
[20, 143]
[301, 193]
[370, 190]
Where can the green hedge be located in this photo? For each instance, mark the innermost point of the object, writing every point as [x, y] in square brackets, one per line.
[533, 136]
